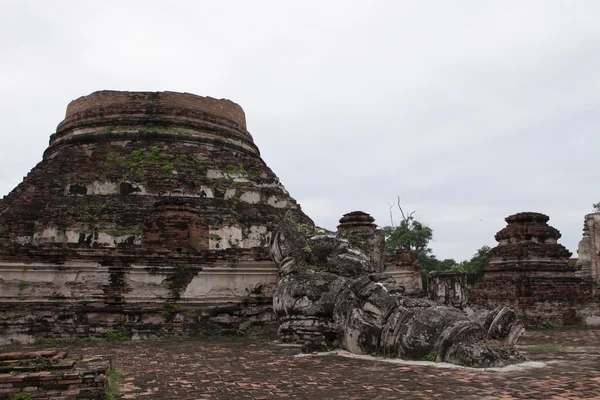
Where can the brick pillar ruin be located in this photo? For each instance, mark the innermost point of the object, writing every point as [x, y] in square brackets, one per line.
[448, 288]
[530, 272]
[406, 270]
[589, 249]
[358, 228]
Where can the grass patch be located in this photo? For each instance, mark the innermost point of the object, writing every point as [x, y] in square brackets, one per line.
[547, 325]
[432, 356]
[112, 390]
[174, 336]
[115, 337]
[42, 340]
[20, 396]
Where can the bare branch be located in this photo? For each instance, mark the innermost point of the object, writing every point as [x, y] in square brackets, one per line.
[391, 215]
[406, 218]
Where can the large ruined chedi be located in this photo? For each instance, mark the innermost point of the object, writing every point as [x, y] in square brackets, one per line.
[149, 211]
[530, 272]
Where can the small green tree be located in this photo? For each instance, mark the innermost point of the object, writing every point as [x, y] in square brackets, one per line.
[414, 236]
[410, 234]
[474, 267]
[596, 207]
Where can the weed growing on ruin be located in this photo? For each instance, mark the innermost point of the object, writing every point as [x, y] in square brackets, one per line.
[108, 129]
[112, 390]
[123, 232]
[233, 170]
[305, 229]
[547, 325]
[139, 162]
[174, 336]
[20, 396]
[432, 356]
[240, 332]
[115, 337]
[215, 237]
[170, 311]
[22, 286]
[112, 158]
[42, 340]
[172, 306]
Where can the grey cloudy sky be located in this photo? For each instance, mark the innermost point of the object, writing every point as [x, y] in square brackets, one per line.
[469, 110]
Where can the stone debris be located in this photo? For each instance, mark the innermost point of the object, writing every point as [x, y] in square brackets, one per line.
[324, 297]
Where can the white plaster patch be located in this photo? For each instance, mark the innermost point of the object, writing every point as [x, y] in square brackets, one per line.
[103, 188]
[229, 193]
[23, 239]
[72, 236]
[53, 235]
[239, 179]
[593, 320]
[49, 235]
[257, 236]
[250, 197]
[224, 238]
[215, 174]
[275, 202]
[208, 193]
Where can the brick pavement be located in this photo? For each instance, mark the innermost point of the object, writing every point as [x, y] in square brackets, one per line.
[258, 368]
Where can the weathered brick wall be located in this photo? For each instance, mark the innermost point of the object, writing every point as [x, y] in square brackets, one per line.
[560, 300]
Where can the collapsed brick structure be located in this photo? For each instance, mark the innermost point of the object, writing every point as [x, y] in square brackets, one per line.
[149, 213]
[530, 272]
[48, 375]
[406, 270]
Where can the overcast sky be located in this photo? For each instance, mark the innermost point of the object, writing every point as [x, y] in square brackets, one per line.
[468, 110]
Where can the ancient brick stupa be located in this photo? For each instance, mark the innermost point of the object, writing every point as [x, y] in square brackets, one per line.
[148, 210]
[530, 271]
